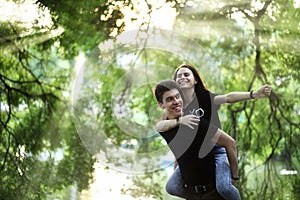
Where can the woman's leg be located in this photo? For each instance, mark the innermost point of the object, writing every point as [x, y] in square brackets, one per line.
[223, 176]
[175, 185]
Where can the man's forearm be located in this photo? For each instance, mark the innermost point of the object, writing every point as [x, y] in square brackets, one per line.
[233, 161]
[224, 140]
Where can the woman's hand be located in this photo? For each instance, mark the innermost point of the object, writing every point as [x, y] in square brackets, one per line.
[189, 120]
[262, 92]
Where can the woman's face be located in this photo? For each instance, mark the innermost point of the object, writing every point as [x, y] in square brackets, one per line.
[185, 78]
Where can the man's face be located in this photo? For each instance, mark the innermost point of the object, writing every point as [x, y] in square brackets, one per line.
[172, 104]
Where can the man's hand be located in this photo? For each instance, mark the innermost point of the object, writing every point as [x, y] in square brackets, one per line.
[262, 92]
[233, 182]
[189, 120]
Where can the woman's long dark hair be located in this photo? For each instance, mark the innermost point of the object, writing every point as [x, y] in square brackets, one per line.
[200, 84]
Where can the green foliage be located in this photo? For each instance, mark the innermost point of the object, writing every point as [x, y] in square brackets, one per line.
[147, 185]
[81, 24]
[38, 137]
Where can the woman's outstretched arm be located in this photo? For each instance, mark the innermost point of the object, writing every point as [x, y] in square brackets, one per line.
[234, 97]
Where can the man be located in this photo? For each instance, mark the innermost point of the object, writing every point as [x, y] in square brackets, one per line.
[185, 142]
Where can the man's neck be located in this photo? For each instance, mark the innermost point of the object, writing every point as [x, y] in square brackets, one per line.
[171, 116]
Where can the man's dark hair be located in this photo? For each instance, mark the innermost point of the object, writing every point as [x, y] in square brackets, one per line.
[165, 86]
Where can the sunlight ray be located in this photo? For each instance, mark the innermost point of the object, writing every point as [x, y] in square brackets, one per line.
[27, 16]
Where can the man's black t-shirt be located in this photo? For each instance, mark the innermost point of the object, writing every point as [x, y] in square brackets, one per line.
[186, 143]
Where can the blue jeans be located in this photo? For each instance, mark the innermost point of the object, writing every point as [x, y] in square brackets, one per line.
[211, 195]
[223, 176]
[175, 185]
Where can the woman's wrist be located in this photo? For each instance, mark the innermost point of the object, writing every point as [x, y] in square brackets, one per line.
[178, 121]
[251, 94]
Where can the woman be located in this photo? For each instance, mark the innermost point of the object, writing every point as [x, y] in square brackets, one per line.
[193, 90]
